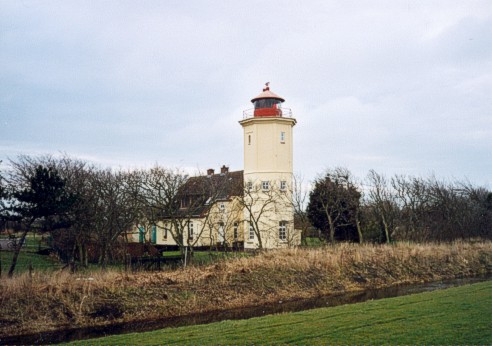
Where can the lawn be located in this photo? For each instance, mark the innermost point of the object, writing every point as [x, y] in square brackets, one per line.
[460, 315]
[28, 257]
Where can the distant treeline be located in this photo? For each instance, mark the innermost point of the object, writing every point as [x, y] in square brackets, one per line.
[380, 209]
[87, 211]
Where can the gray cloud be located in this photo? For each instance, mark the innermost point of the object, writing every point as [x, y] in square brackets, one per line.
[401, 87]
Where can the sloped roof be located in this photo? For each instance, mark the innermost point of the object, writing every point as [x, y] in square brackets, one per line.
[207, 189]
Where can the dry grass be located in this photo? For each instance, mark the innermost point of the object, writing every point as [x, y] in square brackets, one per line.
[58, 300]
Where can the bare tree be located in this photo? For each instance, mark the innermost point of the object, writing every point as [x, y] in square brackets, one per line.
[481, 208]
[222, 222]
[300, 194]
[116, 210]
[382, 199]
[412, 198]
[160, 190]
[259, 202]
[212, 201]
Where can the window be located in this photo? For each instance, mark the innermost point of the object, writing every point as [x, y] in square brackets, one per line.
[283, 185]
[250, 185]
[236, 225]
[282, 137]
[222, 206]
[265, 185]
[164, 233]
[282, 230]
[190, 230]
[267, 103]
[251, 231]
[249, 139]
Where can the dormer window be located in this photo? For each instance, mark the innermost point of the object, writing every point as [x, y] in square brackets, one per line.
[185, 202]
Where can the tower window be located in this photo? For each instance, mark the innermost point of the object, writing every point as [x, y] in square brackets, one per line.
[283, 185]
[282, 137]
[249, 139]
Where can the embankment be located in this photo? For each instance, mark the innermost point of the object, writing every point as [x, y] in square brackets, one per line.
[59, 300]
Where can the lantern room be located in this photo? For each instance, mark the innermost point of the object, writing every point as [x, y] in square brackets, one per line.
[267, 104]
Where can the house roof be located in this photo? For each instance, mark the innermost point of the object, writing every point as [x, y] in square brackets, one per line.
[201, 192]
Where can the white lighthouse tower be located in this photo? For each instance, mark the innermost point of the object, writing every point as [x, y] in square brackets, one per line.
[268, 170]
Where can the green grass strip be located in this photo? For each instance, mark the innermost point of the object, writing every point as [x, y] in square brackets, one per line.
[460, 315]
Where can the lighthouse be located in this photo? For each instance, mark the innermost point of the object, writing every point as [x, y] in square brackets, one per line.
[268, 172]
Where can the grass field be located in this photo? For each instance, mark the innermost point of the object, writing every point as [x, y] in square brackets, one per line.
[460, 315]
[28, 257]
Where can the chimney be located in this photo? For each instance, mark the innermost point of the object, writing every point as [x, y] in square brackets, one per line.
[224, 169]
[210, 171]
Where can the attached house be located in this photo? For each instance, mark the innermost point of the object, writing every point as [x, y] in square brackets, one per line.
[209, 214]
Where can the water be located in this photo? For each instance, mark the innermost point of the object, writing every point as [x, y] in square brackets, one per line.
[236, 314]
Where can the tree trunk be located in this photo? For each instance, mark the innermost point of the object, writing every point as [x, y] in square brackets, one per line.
[81, 253]
[386, 230]
[103, 256]
[17, 251]
[359, 230]
[332, 229]
[86, 256]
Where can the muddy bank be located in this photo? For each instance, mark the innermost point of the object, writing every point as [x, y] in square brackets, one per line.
[62, 301]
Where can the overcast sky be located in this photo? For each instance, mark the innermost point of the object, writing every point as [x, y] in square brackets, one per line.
[401, 87]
